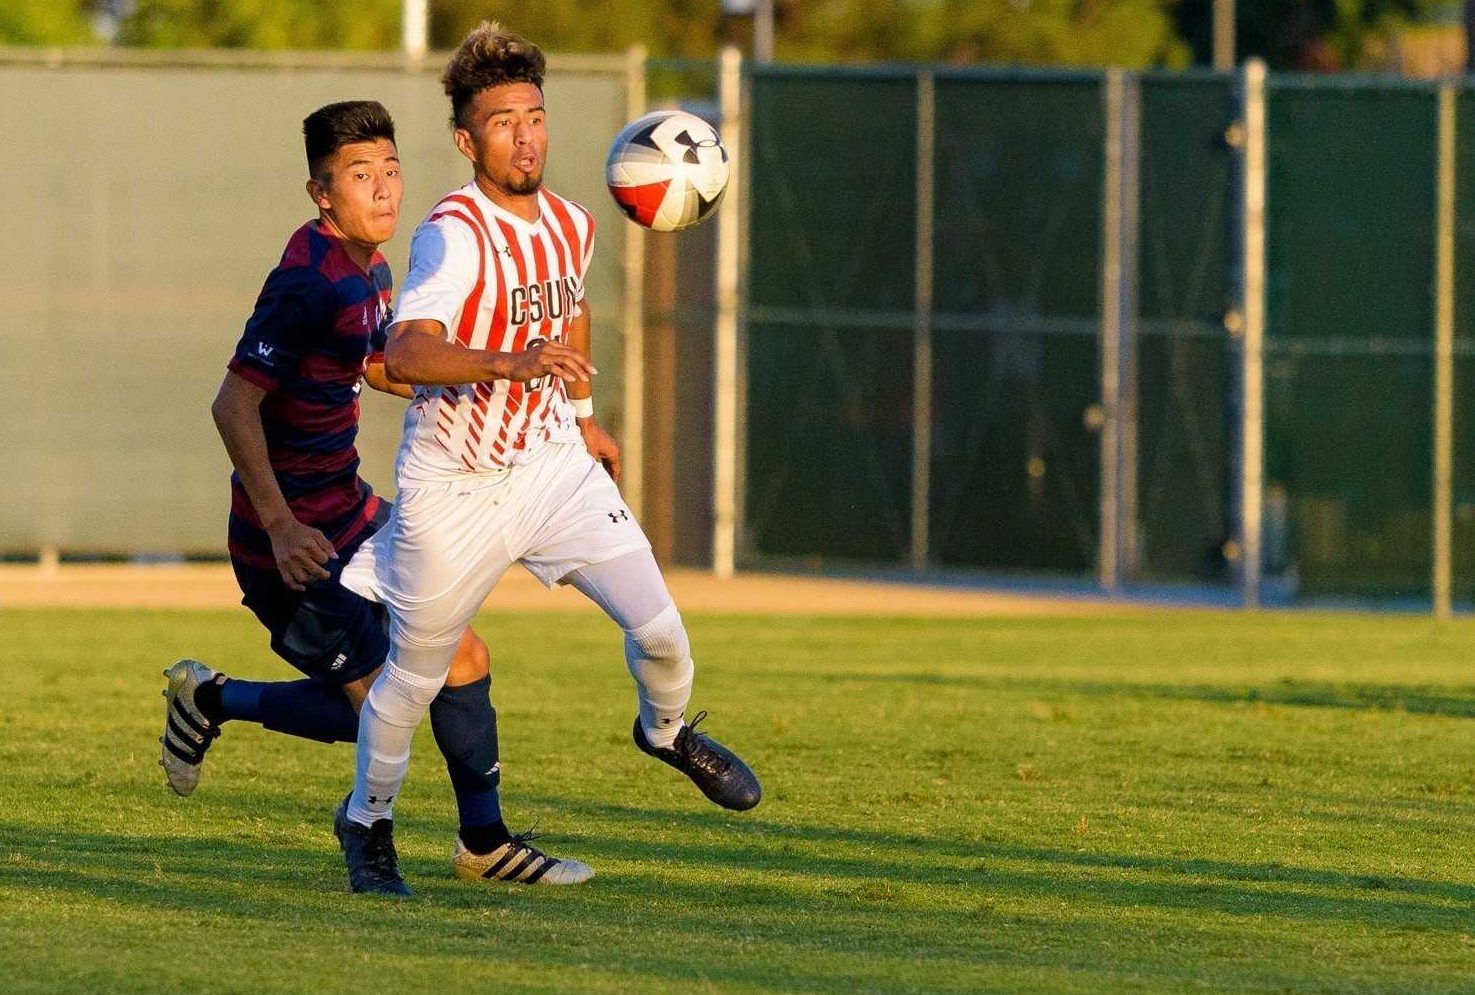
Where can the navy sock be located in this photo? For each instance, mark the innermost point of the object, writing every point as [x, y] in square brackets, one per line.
[298, 708]
[465, 727]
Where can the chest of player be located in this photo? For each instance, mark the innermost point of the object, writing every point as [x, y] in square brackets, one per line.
[549, 300]
[341, 351]
[530, 284]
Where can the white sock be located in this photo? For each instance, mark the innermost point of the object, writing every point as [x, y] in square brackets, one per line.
[658, 654]
[393, 708]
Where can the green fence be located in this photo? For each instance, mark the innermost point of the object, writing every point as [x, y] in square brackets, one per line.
[1024, 435]
[152, 195]
[1349, 334]
[991, 320]
[1185, 370]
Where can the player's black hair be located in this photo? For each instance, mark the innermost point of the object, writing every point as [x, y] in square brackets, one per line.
[329, 128]
[488, 57]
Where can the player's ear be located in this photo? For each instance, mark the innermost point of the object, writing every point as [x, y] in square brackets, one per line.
[318, 193]
[463, 142]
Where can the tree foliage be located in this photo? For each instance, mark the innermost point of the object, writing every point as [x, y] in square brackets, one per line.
[1313, 34]
[45, 22]
[263, 24]
[1071, 32]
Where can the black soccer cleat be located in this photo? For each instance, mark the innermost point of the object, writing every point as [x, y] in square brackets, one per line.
[373, 864]
[717, 771]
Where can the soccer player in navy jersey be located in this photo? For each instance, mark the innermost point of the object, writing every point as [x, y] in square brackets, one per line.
[288, 412]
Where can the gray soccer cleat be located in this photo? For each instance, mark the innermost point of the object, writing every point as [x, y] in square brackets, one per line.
[187, 733]
[516, 861]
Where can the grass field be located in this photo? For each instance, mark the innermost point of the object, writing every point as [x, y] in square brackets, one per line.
[1164, 802]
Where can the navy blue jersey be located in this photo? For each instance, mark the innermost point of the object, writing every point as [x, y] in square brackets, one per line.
[318, 321]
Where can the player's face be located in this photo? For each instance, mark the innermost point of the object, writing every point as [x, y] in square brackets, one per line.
[506, 138]
[359, 191]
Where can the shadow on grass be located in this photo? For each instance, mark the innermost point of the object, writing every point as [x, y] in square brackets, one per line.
[1456, 701]
[848, 855]
[865, 892]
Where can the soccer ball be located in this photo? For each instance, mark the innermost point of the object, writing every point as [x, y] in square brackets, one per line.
[667, 170]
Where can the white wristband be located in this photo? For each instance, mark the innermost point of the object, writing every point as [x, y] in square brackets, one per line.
[583, 407]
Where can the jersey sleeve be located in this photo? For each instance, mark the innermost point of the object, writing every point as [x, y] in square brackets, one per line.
[379, 337]
[588, 253]
[445, 264]
[293, 304]
[586, 256]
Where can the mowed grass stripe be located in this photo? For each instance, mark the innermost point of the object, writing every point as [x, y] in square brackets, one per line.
[1168, 802]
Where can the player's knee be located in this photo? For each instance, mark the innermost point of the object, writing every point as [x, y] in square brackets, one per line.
[471, 663]
[401, 697]
[415, 689]
[662, 640]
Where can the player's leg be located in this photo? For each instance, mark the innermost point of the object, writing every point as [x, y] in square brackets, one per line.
[318, 633]
[633, 593]
[465, 726]
[485, 848]
[592, 541]
[435, 567]
[201, 700]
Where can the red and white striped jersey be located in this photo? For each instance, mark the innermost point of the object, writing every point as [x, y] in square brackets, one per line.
[497, 282]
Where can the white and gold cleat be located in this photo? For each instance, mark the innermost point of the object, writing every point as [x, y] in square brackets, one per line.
[187, 733]
[518, 861]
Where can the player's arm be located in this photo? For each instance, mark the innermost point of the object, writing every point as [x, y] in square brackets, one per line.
[419, 353]
[601, 444]
[300, 550]
[375, 377]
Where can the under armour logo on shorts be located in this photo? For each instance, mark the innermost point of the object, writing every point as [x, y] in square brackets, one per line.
[619, 516]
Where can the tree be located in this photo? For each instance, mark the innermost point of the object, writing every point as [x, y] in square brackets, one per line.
[1307, 34]
[269, 24]
[46, 22]
[1131, 33]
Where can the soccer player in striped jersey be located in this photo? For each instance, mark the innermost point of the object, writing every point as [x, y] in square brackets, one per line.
[501, 456]
[288, 412]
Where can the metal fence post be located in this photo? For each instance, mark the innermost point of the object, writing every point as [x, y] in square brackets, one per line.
[726, 424]
[1108, 564]
[1444, 285]
[632, 319]
[1252, 343]
[1119, 223]
[1127, 543]
[922, 343]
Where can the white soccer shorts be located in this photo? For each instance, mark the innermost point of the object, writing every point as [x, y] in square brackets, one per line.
[447, 544]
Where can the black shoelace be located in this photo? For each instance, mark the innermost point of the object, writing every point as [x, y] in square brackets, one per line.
[695, 750]
[524, 839]
[379, 848]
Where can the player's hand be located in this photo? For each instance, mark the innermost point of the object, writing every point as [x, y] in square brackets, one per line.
[550, 359]
[301, 551]
[601, 446]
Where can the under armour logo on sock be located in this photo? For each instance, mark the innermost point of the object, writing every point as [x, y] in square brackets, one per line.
[373, 800]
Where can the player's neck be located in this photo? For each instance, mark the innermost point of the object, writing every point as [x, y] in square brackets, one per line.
[360, 253]
[524, 205]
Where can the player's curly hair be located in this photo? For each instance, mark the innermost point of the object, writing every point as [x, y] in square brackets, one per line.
[490, 56]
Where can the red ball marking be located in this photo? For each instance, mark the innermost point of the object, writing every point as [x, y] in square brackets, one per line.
[641, 202]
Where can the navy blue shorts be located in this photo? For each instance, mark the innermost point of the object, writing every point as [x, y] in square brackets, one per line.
[328, 632]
